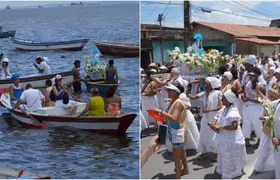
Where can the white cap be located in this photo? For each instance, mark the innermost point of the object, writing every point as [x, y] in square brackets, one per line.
[5, 60]
[58, 77]
[172, 87]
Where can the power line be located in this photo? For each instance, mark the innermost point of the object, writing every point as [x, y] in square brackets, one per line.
[151, 11]
[253, 10]
[166, 7]
[261, 8]
[251, 17]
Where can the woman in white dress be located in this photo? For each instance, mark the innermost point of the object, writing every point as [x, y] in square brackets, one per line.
[148, 99]
[251, 121]
[5, 69]
[276, 141]
[270, 79]
[265, 160]
[229, 139]
[212, 104]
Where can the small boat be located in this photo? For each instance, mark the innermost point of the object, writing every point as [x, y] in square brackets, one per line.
[100, 85]
[7, 34]
[56, 116]
[37, 81]
[74, 45]
[14, 173]
[118, 49]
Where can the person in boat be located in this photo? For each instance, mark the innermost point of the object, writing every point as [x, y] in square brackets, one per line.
[33, 99]
[42, 66]
[47, 92]
[15, 90]
[95, 105]
[5, 69]
[112, 102]
[62, 97]
[111, 73]
[76, 77]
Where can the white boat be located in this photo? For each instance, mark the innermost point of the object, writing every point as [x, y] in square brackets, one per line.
[14, 173]
[73, 45]
[57, 117]
[37, 81]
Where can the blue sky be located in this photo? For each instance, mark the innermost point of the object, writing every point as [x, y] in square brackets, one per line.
[174, 12]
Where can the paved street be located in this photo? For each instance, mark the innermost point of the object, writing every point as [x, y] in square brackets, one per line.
[161, 166]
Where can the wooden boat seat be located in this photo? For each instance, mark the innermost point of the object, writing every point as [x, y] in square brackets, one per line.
[59, 110]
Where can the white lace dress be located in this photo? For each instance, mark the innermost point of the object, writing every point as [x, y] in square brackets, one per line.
[230, 144]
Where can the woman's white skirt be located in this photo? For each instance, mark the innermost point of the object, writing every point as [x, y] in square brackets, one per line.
[194, 102]
[251, 119]
[265, 160]
[148, 103]
[277, 167]
[144, 124]
[231, 160]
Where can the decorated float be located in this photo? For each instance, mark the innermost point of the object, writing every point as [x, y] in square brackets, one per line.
[196, 62]
[96, 73]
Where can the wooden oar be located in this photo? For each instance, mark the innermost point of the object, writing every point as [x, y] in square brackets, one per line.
[43, 126]
[73, 96]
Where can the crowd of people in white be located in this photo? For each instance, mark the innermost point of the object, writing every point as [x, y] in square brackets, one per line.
[230, 113]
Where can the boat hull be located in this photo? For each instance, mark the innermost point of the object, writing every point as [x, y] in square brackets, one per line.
[116, 49]
[102, 88]
[75, 45]
[37, 81]
[15, 173]
[7, 34]
[106, 124]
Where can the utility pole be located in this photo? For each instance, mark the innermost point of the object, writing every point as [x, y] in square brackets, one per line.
[187, 25]
[161, 36]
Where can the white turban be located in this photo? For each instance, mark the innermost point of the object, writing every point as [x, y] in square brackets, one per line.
[215, 83]
[185, 99]
[251, 60]
[230, 96]
[5, 60]
[228, 75]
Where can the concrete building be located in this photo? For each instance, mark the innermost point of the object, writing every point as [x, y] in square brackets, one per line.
[229, 38]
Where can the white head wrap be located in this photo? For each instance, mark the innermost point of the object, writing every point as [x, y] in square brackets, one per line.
[251, 60]
[228, 75]
[272, 68]
[230, 96]
[185, 99]
[215, 83]
[229, 65]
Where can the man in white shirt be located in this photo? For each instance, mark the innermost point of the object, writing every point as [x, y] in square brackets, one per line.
[263, 66]
[33, 99]
[42, 66]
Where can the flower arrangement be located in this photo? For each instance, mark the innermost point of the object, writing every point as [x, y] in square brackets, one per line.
[94, 69]
[193, 63]
[269, 111]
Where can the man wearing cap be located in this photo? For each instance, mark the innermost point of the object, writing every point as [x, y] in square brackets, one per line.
[42, 67]
[5, 69]
[33, 99]
[250, 63]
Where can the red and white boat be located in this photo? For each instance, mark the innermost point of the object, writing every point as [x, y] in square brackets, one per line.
[14, 173]
[57, 117]
[37, 81]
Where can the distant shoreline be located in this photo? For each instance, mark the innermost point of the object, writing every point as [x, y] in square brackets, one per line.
[90, 3]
